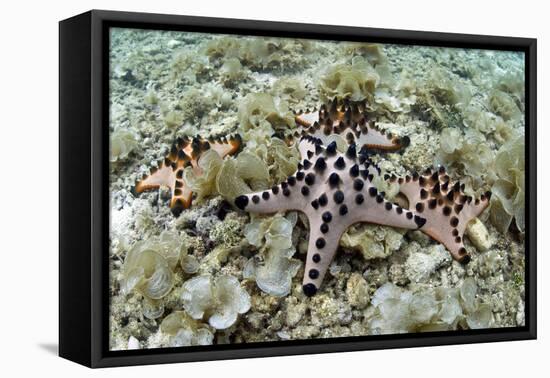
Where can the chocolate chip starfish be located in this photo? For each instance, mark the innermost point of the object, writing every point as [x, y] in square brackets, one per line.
[348, 119]
[184, 153]
[445, 205]
[334, 190]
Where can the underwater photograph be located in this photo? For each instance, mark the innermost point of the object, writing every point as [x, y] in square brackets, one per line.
[270, 189]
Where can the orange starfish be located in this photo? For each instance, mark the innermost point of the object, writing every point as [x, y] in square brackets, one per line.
[184, 153]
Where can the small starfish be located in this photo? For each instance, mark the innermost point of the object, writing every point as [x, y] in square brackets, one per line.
[334, 190]
[444, 205]
[184, 153]
[348, 119]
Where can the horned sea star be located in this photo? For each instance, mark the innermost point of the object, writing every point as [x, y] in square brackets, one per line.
[350, 121]
[334, 190]
[184, 153]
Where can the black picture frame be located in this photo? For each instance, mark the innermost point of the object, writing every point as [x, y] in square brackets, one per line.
[83, 182]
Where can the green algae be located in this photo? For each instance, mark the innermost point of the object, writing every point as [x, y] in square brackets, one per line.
[259, 54]
[356, 82]
[274, 272]
[245, 174]
[508, 200]
[123, 142]
[257, 108]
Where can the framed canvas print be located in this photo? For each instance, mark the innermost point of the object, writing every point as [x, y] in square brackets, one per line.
[233, 188]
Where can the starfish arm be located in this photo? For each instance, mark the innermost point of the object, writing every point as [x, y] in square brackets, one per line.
[163, 176]
[223, 146]
[226, 146]
[326, 229]
[286, 196]
[170, 176]
[454, 245]
[376, 139]
[445, 206]
[375, 209]
[322, 246]
[476, 207]
[307, 119]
